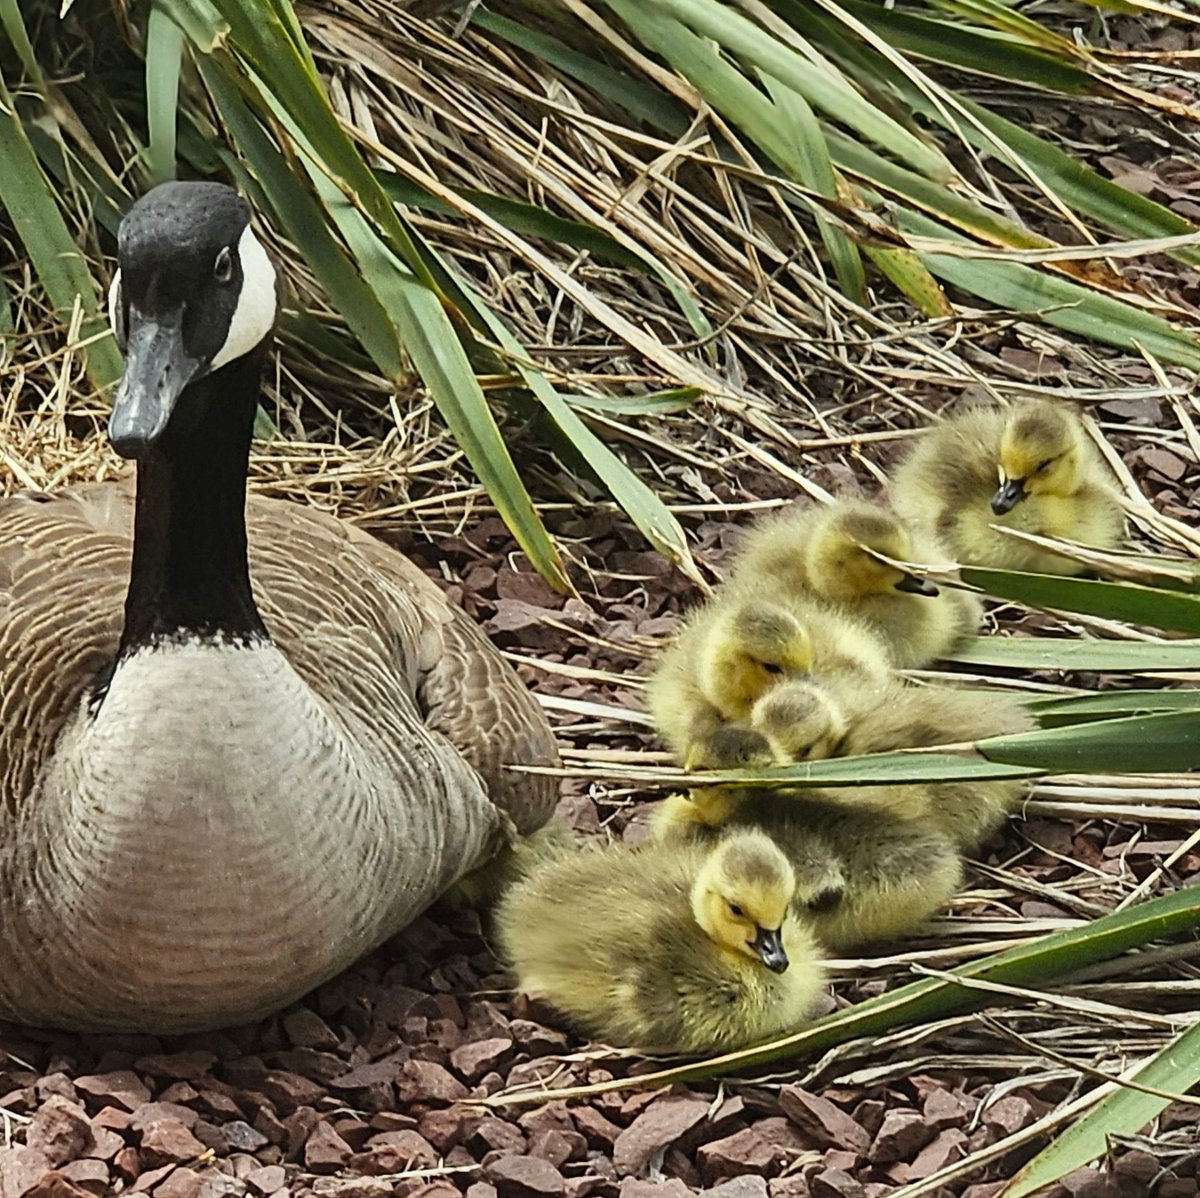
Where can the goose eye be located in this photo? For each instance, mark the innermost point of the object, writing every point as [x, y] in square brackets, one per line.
[1044, 465]
[772, 667]
[223, 267]
[735, 910]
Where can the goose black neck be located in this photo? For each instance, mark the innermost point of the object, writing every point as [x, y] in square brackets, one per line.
[190, 577]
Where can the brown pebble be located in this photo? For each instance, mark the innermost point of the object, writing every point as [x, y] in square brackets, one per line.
[1009, 1115]
[324, 1150]
[155, 1112]
[524, 1177]
[91, 1175]
[267, 1180]
[181, 1183]
[658, 1126]
[558, 1147]
[21, 1168]
[425, 1081]
[599, 1132]
[60, 1130]
[745, 1186]
[119, 1088]
[489, 1134]
[177, 1066]
[834, 1183]
[306, 1029]
[168, 1141]
[824, 1124]
[472, 1060]
[901, 1136]
[56, 1185]
[745, 1151]
[637, 1187]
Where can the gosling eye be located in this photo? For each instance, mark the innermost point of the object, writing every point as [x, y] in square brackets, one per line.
[223, 266]
[1044, 465]
[772, 667]
[736, 911]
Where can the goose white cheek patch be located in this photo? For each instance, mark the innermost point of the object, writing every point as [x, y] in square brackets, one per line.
[254, 316]
[116, 319]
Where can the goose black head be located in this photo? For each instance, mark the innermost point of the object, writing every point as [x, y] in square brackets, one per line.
[195, 291]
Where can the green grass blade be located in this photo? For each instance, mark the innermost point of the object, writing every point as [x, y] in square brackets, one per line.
[1027, 965]
[1083, 189]
[1162, 742]
[1174, 1069]
[164, 55]
[1060, 653]
[1016, 287]
[655, 403]
[13, 25]
[819, 83]
[1127, 601]
[27, 196]
[972, 49]
[1054, 713]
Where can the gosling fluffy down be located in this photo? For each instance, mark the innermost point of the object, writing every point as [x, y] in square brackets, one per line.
[1032, 468]
[735, 649]
[898, 716]
[681, 947]
[861, 875]
[829, 554]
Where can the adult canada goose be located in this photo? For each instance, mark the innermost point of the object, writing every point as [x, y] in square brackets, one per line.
[1032, 468]
[829, 554]
[282, 751]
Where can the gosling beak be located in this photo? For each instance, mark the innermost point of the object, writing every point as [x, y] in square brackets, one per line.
[157, 369]
[913, 585]
[1011, 492]
[768, 943]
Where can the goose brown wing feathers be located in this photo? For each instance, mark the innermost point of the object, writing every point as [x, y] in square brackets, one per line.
[63, 573]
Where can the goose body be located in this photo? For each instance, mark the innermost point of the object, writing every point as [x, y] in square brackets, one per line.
[241, 742]
[1032, 468]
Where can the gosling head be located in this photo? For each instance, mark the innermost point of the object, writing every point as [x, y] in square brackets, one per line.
[841, 555]
[729, 747]
[195, 291]
[754, 646]
[800, 721]
[1040, 451]
[742, 897]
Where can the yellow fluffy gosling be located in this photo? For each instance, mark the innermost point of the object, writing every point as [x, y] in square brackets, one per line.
[830, 553]
[678, 947]
[1032, 467]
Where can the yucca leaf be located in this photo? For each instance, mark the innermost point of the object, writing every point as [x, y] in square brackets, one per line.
[1028, 965]
[164, 54]
[1055, 300]
[1061, 653]
[820, 84]
[911, 277]
[1124, 1111]
[28, 198]
[1054, 713]
[1150, 606]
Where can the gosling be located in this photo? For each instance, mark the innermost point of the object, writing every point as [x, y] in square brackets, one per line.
[678, 947]
[1052, 482]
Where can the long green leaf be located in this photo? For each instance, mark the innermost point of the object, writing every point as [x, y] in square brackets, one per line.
[1058, 301]
[1054, 713]
[1174, 1069]
[819, 83]
[1027, 965]
[27, 196]
[1150, 606]
[164, 55]
[1164, 741]
[1058, 653]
